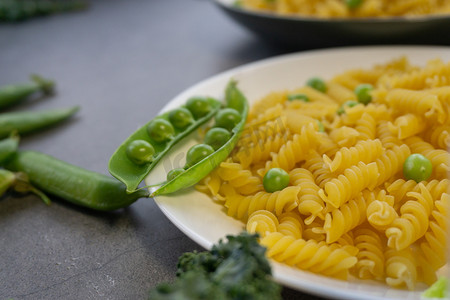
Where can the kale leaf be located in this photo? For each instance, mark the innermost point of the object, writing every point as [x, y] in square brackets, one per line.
[234, 269]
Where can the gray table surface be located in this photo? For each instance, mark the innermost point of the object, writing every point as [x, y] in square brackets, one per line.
[121, 61]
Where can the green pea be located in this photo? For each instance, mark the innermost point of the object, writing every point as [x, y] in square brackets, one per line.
[196, 153]
[353, 3]
[227, 118]
[317, 84]
[174, 173]
[417, 167]
[160, 130]
[321, 126]
[198, 106]
[362, 92]
[181, 117]
[350, 103]
[275, 179]
[140, 152]
[216, 137]
[301, 97]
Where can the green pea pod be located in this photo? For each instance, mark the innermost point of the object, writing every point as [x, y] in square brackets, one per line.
[71, 183]
[8, 147]
[132, 174]
[28, 121]
[19, 10]
[235, 99]
[14, 94]
[6, 180]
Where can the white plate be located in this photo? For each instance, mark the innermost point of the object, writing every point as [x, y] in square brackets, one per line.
[206, 222]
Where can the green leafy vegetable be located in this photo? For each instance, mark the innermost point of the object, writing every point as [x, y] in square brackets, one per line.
[236, 269]
[439, 289]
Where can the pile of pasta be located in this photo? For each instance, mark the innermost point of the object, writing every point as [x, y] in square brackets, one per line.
[339, 8]
[348, 209]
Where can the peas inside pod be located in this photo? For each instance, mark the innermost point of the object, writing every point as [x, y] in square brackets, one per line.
[136, 157]
[216, 137]
[217, 144]
[181, 117]
[160, 130]
[198, 106]
[142, 150]
[227, 118]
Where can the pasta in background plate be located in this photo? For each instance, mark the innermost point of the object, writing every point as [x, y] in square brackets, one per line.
[348, 209]
[350, 8]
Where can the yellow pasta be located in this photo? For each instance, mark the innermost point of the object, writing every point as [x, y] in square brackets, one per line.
[348, 209]
[339, 9]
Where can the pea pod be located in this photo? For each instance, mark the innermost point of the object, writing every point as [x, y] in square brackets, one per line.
[28, 121]
[6, 180]
[132, 172]
[72, 183]
[8, 147]
[13, 94]
[236, 100]
[18, 10]
[19, 182]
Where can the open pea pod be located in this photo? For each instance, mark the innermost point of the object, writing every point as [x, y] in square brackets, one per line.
[130, 172]
[234, 99]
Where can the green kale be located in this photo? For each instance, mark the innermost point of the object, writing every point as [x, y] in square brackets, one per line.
[233, 269]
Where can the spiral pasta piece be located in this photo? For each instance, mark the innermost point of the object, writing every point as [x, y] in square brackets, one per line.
[416, 102]
[290, 223]
[387, 138]
[315, 164]
[380, 212]
[243, 180]
[365, 151]
[351, 214]
[366, 126]
[261, 150]
[439, 136]
[349, 184]
[370, 256]
[401, 268]
[262, 222]
[309, 255]
[294, 151]
[309, 202]
[435, 246]
[277, 202]
[391, 162]
[413, 222]
[407, 125]
[211, 185]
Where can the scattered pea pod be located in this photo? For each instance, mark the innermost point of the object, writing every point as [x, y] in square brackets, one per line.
[8, 148]
[141, 151]
[13, 94]
[29, 121]
[19, 10]
[74, 184]
[203, 165]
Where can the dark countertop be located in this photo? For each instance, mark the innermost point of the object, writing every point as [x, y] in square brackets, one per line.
[121, 61]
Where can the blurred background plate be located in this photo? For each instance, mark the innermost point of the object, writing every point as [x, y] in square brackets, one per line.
[307, 32]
